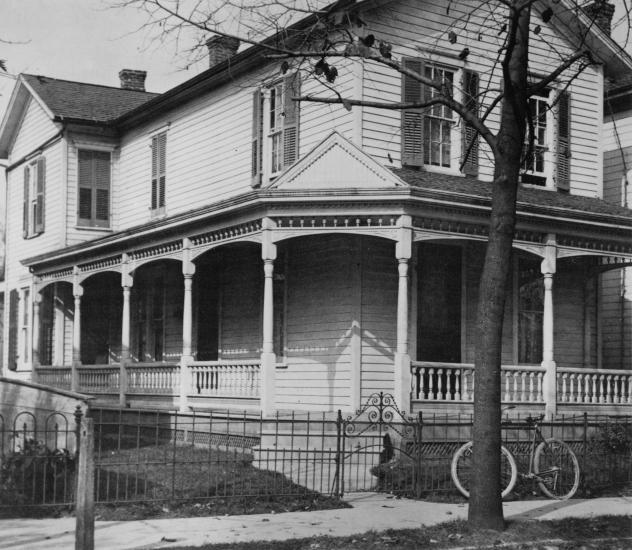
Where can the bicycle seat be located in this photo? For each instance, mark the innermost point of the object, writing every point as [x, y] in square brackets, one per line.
[533, 420]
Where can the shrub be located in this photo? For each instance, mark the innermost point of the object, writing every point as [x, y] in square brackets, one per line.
[36, 475]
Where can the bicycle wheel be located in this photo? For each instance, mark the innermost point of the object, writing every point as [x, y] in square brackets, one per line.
[557, 468]
[461, 470]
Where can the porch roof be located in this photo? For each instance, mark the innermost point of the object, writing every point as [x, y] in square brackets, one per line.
[423, 189]
[529, 198]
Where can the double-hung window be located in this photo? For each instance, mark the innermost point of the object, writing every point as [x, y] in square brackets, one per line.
[33, 200]
[433, 136]
[546, 158]
[158, 172]
[94, 188]
[275, 128]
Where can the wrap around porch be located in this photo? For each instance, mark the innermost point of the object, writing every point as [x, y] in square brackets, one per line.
[318, 312]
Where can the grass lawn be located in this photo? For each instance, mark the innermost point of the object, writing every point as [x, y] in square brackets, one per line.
[605, 532]
[144, 483]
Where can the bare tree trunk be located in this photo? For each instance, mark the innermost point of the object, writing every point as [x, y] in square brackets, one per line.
[485, 509]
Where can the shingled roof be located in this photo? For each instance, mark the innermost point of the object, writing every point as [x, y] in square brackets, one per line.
[85, 102]
[527, 196]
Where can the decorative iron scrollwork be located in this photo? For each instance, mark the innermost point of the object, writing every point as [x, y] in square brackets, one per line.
[380, 411]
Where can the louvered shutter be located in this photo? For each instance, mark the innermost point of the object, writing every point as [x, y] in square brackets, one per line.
[292, 87]
[257, 138]
[158, 170]
[13, 329]
[101, 166]
[412, 119]
[469, 136]
[41, 195]
[563, 171]
[85, 186]
[25, 203]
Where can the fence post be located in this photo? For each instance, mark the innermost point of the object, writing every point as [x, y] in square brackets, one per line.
[338, 457]
[84, 528]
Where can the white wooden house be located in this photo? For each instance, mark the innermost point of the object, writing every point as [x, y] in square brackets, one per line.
[220, 246]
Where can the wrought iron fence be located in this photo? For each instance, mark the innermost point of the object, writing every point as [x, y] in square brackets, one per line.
[145, 456]
[38, 457]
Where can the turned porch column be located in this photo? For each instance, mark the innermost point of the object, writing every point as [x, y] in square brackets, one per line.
[127, 281]
[188, 270]
[35, 336]
[268, 357]
[548, 268]
[77, 292]
[403, 377]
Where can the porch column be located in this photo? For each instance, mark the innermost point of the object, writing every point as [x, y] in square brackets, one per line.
[77, 292]
[35, 336]
[127, 281]
[268, 357]
[403, 377]
[188, 270]
[548, 268]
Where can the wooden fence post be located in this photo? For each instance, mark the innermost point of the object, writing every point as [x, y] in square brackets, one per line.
[84, 530]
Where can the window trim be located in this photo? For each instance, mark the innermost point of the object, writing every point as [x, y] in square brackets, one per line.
[34, 200]
[157, 207]
[549, 148]
[457, 149]
[93, 222]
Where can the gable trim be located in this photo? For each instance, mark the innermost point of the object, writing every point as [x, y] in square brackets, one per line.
[335, 140]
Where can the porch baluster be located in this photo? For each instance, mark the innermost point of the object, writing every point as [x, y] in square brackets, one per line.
[457, 383]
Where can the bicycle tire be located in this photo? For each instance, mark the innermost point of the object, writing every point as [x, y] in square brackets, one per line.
[557, 467]
[461, 467]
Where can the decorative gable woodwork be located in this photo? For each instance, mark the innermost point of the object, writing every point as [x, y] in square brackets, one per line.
[336, 163]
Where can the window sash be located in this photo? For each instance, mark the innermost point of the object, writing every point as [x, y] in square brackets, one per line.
[93, 200]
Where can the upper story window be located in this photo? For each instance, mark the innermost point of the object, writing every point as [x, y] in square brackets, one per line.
[94, 188]
[275, 128]
[34, 197]
[158, 171]
[547, 162]
[431, 136]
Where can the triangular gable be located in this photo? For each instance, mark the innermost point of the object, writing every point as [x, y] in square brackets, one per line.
[21, 98]
[336, 163]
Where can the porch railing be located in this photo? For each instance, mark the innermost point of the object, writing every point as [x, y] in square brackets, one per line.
[153, 378]
[55, 377]
[98, 379]
[577, 385]
[225, 378]
[434, 381]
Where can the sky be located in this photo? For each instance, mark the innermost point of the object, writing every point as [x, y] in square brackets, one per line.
[88, 41]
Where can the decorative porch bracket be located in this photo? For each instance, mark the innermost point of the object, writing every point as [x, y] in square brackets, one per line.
[548, 268]
[268, 357]
[403, 253]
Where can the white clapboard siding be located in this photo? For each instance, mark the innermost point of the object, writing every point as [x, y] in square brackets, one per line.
[318, 324]
[34, 129]
[407, 24]
[241, 301]
[17, 247]
[379, 316]
[611, 303]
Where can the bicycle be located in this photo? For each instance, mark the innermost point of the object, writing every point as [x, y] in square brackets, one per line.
[552, 464]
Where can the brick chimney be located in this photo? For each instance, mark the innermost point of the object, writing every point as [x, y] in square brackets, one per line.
[601, 11]
[221, 48]
[133, 80]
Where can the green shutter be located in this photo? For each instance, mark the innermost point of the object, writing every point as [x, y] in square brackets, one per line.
[563, 170]
[257, 137]
[41, 195]
[292, 88]
[412, 119]
[25, 202]
[469, 135]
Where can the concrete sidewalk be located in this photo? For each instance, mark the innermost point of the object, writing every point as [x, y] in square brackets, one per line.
[370, 511]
